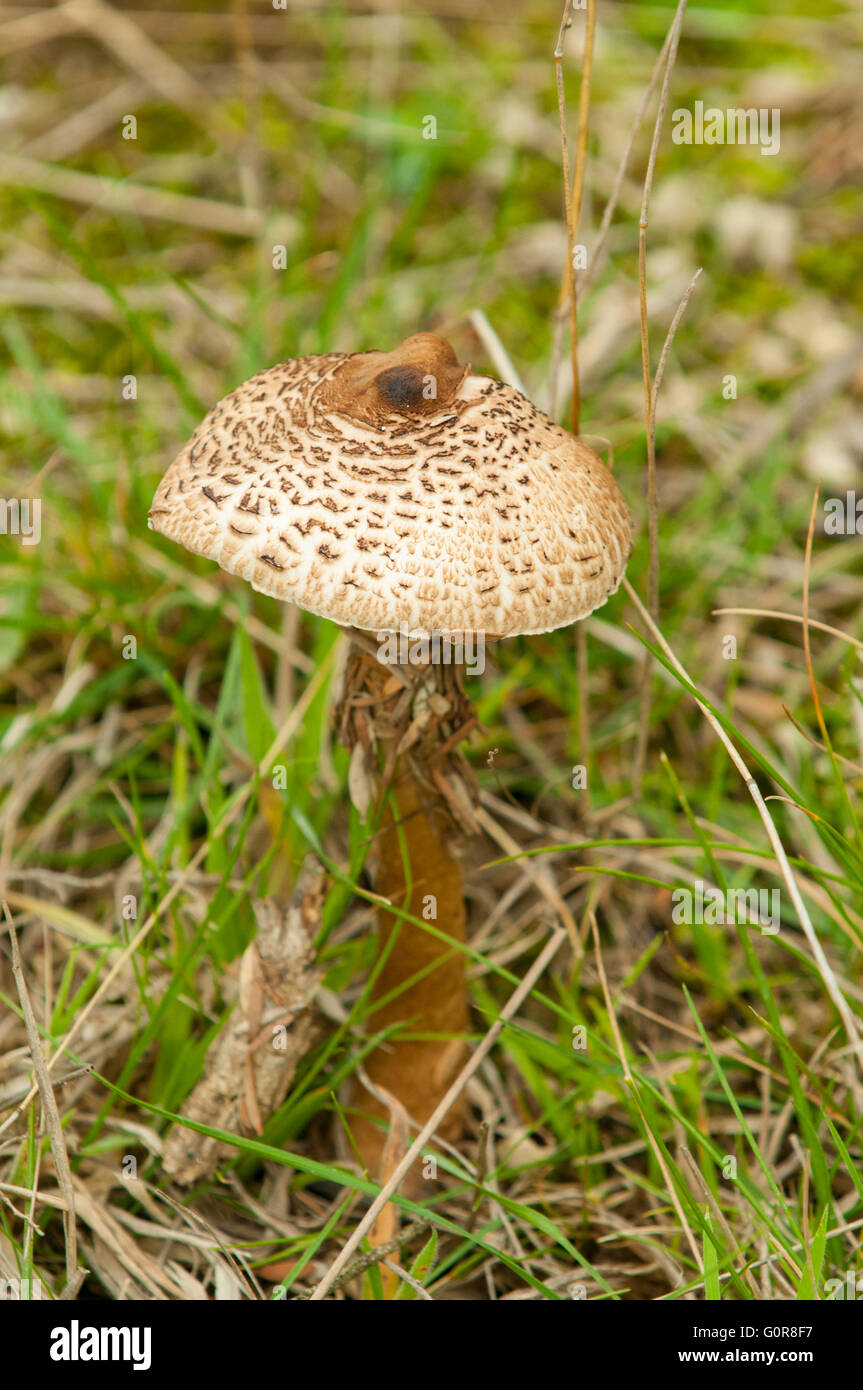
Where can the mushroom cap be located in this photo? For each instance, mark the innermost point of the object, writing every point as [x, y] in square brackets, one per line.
[397, 490]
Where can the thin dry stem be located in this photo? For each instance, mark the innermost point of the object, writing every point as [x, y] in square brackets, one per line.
[49, 1104]
[576, 200]
[500, 358]
[565, 22]
[126, 196]
[611, 206]
[572, 200]
[791, 618]
[649, 393]
[472, 1065]
[650, 400]
[669, 339]
[583, 704]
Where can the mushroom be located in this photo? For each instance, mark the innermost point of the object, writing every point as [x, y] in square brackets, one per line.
[400, 495]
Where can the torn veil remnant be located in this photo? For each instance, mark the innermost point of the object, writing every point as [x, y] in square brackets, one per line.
[252, 1063]
[400, 492]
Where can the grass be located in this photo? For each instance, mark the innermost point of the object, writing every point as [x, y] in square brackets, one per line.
[675, 1109]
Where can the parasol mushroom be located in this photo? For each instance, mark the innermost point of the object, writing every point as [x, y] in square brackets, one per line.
[398, 493]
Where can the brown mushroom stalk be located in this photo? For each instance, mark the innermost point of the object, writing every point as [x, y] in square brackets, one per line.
[399, 492]
[412, 1066]
[416, 719]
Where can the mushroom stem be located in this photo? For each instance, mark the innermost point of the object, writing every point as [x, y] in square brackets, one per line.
[411, 718]
[413, 1067]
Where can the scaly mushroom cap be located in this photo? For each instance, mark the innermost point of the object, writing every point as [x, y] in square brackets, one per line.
[381, 489]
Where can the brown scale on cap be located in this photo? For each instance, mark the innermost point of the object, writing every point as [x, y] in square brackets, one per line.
[420, 377]
[380, 489]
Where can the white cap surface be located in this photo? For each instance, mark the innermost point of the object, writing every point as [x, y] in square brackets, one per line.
[382, 489]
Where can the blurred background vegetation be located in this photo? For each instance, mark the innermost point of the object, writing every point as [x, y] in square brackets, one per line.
[279, 198]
